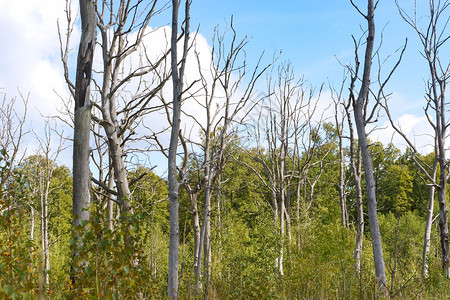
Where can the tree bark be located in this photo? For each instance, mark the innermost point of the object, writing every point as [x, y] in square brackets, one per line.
[177, 85]
[32, 213]
[196, 229]
[360, 121]
[441, 132]
[82, 119]
[81, 170]
[44, 191]
[427, 235]
[110, 122]
[355, 164]
[342, 195]
[356, 170]
[110, 205]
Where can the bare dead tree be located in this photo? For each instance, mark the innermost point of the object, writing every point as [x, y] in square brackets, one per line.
[82, 125]
[215, 92]
[365, 114]
[359, 108]
[103, 187]
[225, 112]
[356, 170]
[177, 89]
[430, 170]
[433, 37]
[339, 121]
[345, 111]
[287, 139]
[122, 31]
[13, 116]
[39, 169]
[129, 77]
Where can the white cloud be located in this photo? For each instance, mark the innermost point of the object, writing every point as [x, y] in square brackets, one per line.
[417, 129]
[30, 60]
[406, 114]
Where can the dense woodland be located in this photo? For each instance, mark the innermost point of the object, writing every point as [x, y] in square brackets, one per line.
[268, 193]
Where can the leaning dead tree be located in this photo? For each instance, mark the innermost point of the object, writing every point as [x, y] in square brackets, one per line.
[433, 38]
[363, 115]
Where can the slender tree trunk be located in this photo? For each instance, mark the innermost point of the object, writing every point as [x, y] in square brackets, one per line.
[443, 223]
[196, 229]
[359, 225]
[208, 262]
[177, 84]
[199, 257]
[110, 205]
[208, 169]
[46, 244]
[44, 234]
[427, 236]
[433, 38]
[288, 214]
[297, 212]
[342, 198]
[111, 124]
[371, 203]
[441, 190]
[219, 222]
[274, 206]
[428, 226]
[32, 220]
[282, 234]
[355, 164]
[120, 174]
[366, 156]
[207, 240]
[281, 183]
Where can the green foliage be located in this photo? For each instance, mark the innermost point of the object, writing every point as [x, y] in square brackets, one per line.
[325, 258]
[130, 261]
[403, 241]
[18, 254]
[111, 263]
[395, 189]
[250, 272]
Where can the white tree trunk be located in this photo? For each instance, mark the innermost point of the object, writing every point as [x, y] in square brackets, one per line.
[366, 157]
[110, 205]
[177, 82]
[359, 225]
[32, 224]
[81, 170]
[196, 229]
[82, 119]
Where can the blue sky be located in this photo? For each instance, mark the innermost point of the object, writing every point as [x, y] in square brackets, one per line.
[313, 35]
[310, 34]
